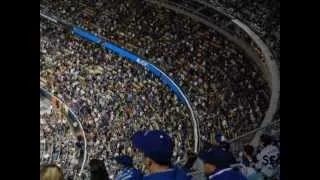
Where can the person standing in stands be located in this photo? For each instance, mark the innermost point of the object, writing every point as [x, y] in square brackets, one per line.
[220, 138]
[157, 148]
[217, 165]
[247, 159]
[222, 142]
[191, 158]
[127, 171]
[268, 158]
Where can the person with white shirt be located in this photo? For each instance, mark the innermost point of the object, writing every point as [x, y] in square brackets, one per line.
[268, 157]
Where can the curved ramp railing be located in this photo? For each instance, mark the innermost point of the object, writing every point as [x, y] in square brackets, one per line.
[240, 34]
[273, 128]
[136, 59]
[72, 118]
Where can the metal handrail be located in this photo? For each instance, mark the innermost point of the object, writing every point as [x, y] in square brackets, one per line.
[254, 131]
[80, 125]
[272, 67]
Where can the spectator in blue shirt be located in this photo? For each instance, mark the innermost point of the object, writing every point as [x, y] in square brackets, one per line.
[247, 160]
[219, 138]
[157, 148]
[216, 165]
[127, 171]
[192, 157]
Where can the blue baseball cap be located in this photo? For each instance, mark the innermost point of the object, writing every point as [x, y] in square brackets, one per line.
[124, 160]
[218, 157]
[157, 145]
[135, 136]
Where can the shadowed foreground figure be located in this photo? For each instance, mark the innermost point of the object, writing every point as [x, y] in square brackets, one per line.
[98, 170]
[127, 171]
[217, 165]
[51, 172]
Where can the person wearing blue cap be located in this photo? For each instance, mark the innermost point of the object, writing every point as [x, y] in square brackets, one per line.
[219, 138]
[222, 142]
[217, 165]
[157, 148]
[127, 171]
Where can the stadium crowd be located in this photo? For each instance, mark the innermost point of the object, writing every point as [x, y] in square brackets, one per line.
[169, 40]
[156, 148]
[114, 98]
[263, 17]
[57, 143]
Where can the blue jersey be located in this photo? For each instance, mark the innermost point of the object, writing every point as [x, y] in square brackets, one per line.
[129, 174]
[227, 174]
[174, 174]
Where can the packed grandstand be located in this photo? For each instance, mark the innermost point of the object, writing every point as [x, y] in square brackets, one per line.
[95, 100]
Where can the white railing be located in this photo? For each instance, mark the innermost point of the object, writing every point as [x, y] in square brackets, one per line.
[194, 120]
[270, 64]
[78, 122]
[273, 128]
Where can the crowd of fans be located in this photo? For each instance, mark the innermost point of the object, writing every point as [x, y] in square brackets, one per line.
[156, 148]
[217, 77]
[261, 16]
[114, 98]
[57, 143]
